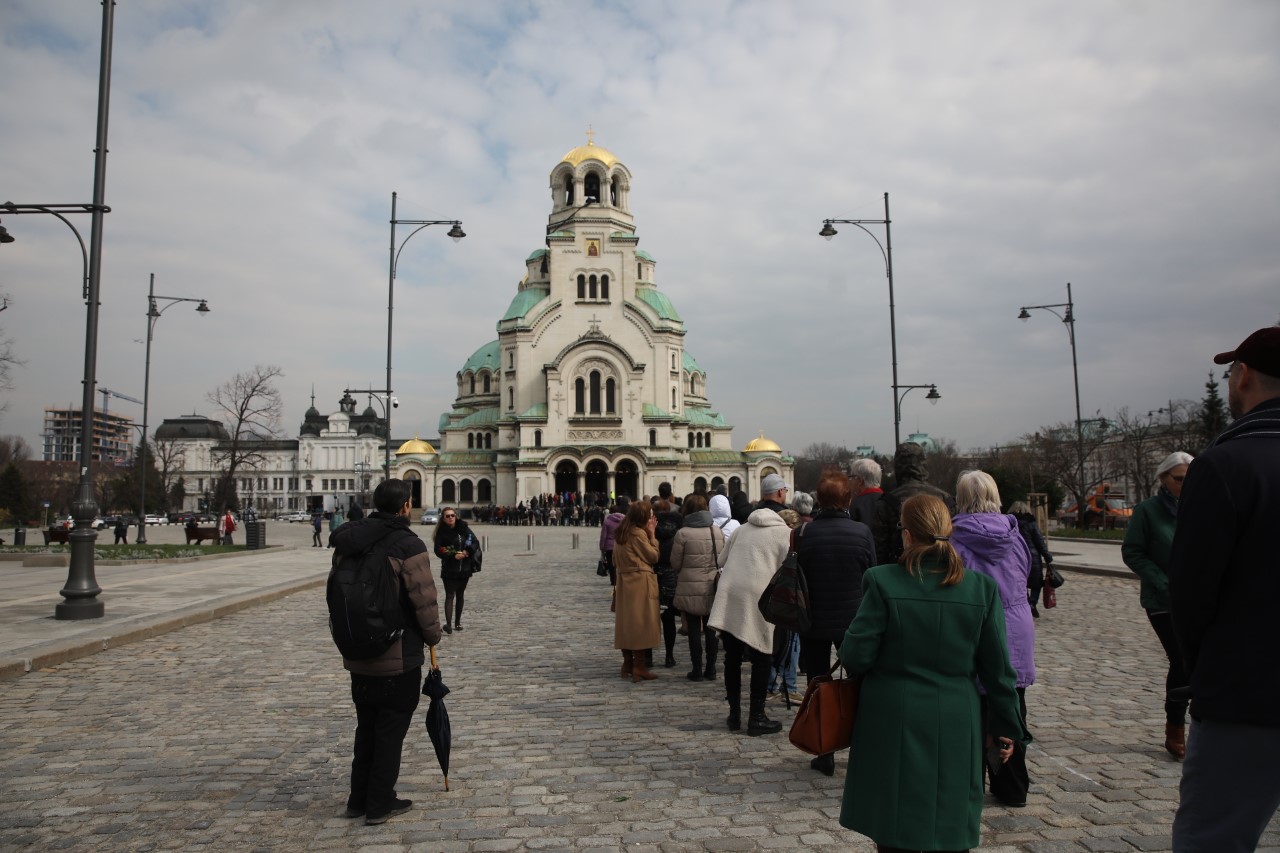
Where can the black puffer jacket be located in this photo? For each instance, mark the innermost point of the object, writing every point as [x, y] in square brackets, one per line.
[834, 552]
[910, 473]
[460, 538]
[412, 564]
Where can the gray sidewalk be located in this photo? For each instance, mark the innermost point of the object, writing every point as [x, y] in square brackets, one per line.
[235, 734]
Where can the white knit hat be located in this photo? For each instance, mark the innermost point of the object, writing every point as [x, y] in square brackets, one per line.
[1173, 460]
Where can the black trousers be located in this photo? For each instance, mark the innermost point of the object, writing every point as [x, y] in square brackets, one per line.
[1035, 583]
[1174, 711]
[454, 590]
[734, 652]
[698, 632]
[1011, 784]
[384, 710]
[815, 656]
[668, 617]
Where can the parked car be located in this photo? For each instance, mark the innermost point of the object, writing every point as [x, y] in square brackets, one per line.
[152, 518]
[295, 517]
[430, 516]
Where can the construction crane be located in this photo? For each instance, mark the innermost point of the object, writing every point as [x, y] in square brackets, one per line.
[107, 392]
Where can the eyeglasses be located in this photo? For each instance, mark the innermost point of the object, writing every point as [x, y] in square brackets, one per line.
[450, 515]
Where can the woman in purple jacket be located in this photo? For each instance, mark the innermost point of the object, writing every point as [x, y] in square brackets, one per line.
[990, 542]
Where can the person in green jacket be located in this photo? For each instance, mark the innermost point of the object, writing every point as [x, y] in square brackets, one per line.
[1147, 544]
[926, 630]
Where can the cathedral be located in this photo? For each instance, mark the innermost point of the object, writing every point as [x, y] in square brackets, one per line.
[587, 388]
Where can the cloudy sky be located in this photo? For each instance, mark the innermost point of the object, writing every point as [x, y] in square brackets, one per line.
[1128, 148]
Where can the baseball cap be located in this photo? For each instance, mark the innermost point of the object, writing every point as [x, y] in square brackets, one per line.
[1261, 351]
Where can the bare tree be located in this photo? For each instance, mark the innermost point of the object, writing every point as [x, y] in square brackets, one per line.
[249, 404]
[815, 457]
[1059, 453]
[8, 361]
[13, 448]
[169, 457]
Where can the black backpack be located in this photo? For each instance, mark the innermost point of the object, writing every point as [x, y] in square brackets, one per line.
[785, 601]
[366, 614]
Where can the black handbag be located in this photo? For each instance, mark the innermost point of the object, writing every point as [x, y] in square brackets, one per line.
[602, 567]
[785, 601]
[1053, 577]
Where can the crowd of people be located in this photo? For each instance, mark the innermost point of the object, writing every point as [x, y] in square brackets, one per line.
[568, 509]
[930, 600]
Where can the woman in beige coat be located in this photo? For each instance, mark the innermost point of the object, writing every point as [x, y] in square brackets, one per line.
[637, 623]
[694, 554]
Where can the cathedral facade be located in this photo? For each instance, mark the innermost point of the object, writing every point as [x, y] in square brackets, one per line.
[589, 386]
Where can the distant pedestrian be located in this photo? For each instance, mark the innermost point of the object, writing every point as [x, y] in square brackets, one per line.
[456, 547]
[694, 555]
[317, 522]
[121, 531]
[865, 476]
[637, 623]
[1147, 542]
[910, 477]
[227, 526]
[607, 531]
[386, 689]
[1224, 582]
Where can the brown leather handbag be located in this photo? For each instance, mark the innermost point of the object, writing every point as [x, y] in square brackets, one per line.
[824, 722]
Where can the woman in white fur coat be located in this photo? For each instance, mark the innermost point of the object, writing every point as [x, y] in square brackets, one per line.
[749, 560]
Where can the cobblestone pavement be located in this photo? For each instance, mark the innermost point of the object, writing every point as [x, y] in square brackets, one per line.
[235, 735]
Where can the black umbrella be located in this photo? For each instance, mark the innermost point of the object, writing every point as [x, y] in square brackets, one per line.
[438, 728]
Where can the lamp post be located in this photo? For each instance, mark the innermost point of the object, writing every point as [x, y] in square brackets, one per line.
[81, 591]
[1069, 320]
[933, 397]
[457, 234]
[387, 402]
[153, 314]
[886, 249]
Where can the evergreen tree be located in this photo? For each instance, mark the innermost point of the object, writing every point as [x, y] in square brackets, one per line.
[13, 493]
[1213, 412]
[178, 493]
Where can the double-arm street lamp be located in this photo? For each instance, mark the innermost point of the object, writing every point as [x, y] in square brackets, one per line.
[933, 397]
[153, 314]
[387, 402]
[1069, 320]
[886, 249]
[81, 592]
[457, 234]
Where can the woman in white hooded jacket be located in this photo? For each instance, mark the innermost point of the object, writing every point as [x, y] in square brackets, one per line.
[721, 516]
[749, 560]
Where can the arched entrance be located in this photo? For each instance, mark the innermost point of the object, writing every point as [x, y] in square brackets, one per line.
[735, 485]
[566, 477]
[597, 477]
[415, 483]
[700, 485]
[627, 479]
[716, 482]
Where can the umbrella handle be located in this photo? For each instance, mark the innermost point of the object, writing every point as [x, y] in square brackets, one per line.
[434, 665]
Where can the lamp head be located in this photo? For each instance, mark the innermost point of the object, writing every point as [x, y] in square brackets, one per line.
[202, 308]
[456, 232]
[933, 396]
[827, 231]
[1024, 315]
[5, 236]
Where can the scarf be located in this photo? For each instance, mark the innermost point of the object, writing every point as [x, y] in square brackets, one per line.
[1169, 501]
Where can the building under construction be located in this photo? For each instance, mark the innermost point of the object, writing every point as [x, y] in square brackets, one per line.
[112, 435]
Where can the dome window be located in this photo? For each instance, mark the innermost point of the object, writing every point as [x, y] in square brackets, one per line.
[582, 286]
[604, 287]
[591, 188]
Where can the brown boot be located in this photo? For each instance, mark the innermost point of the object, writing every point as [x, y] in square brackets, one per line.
[639, 671]
[626, 664]
[1175, 739]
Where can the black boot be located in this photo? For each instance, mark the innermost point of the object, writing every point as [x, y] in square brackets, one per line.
[695, 655]
[758, 724]
[825, 764]
[733, 695]
[734, 722]
[713, 646]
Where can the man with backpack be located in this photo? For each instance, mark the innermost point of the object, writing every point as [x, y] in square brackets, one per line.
[382, 613]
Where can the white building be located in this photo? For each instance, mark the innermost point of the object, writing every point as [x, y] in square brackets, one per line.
[588, 388]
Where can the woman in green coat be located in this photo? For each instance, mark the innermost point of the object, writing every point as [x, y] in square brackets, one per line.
[925, 631]
[1147, 543]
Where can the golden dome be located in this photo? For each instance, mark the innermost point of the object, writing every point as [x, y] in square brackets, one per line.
[590, 151]
[761, 445]
[415, 445]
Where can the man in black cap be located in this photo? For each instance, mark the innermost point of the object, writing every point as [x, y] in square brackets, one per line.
[1224, 586]
[910, 478]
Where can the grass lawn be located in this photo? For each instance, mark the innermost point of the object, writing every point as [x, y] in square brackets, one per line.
[1075, 533]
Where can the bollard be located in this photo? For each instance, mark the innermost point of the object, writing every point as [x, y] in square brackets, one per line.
[530, 545]
[574, 542]
[484, 543]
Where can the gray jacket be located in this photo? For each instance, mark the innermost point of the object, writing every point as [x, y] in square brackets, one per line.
[693, 555]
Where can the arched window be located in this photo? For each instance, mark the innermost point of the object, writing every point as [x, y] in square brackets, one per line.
[486, 383]
[653, 438]
[582, 286]
[673, 400]
[466, 496]
[447, 494]
[511, 397]
[579, 395]
[471, 441]
[691, 441]
[700, 485]
[604, 287]
[673, 361]
[511, 359]
[488, 441]
[708, 440]
[639, 271]
[537, 438]
[609, 395]
[595, 392]
[613, 192]
[473, 384]
[591, 188]
[693, 383]
[568, 188]
[593, 287]
[484, 492]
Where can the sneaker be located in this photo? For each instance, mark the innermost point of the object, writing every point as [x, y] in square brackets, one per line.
[458, 627]
[796, 698]
[397, 807]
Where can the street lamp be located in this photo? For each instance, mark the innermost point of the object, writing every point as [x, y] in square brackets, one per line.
[886, 249]
[457, 234]
[387, 402]
[81, 592]
[933, 396]
[1068, 319]
[153, 314]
